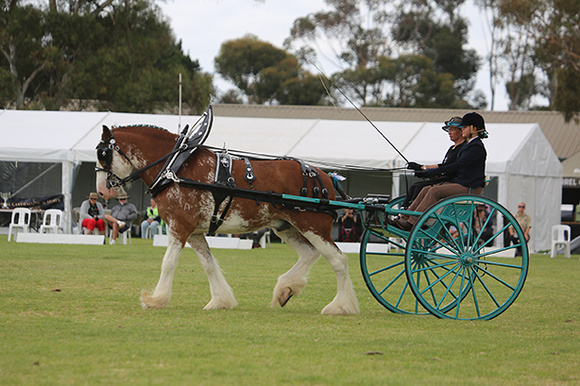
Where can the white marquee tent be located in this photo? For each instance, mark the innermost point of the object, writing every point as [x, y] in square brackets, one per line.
[518, 154]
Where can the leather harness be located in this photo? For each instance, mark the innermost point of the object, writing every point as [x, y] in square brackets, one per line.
[224, 186]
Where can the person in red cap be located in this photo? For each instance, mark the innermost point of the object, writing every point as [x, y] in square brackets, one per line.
[469, 166]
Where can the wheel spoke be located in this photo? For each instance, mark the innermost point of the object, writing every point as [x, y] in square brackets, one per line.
[434, 273]
[449, 288]
[493, 252]
[480, 279]
[490, 262]
[461, 289]
[439, 279]
[435, 266]
[497, 278]
[392, 281]
[387, 268]
[482, 229]
[401, 296]
[450, 236]
[474, 293]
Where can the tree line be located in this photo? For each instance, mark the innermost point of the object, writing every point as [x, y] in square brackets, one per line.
[121, 55]
[115, 55]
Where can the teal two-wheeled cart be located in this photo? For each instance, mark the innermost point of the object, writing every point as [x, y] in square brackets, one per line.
[452, 263]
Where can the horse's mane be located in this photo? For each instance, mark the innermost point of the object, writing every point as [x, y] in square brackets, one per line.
[144, 125]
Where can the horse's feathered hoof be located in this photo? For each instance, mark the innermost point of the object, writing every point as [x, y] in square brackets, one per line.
[151, 302]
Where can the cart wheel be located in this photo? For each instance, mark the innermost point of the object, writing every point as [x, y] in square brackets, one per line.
[463, 275]
[383, 269]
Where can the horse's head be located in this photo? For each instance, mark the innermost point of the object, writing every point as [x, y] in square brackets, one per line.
[112, 165]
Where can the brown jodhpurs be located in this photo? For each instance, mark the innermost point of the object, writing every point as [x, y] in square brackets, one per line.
[429, 195]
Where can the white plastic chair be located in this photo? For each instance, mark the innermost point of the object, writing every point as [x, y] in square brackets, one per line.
[148, 232]
[561, 235]
[265, 239]
[51, 221]
[122, 237]
[20, 221]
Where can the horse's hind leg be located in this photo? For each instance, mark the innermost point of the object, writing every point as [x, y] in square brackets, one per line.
[293, 282]
[345, 302]
[222, 295]
[162, 293]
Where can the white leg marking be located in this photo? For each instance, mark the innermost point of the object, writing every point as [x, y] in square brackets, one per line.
[162, 293]
[294, 281]
[345, 302]
[222, 295]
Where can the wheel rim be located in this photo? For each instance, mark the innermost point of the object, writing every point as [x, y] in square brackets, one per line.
[464, 277]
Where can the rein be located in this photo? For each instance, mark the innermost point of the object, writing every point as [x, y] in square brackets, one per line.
[116, 182]
[270, 157]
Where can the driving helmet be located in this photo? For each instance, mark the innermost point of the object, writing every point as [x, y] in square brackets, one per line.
[454, 121]
[474, 119]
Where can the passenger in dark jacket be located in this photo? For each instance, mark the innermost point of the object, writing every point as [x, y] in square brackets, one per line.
[453, 127]
[469, 166]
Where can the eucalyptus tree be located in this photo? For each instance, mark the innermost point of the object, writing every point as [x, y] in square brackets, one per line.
[267, 74]
[535, 50]
[365, 35]
[99, 54]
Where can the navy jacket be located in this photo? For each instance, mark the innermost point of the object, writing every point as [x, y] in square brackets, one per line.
[450, 157]
[469, 165]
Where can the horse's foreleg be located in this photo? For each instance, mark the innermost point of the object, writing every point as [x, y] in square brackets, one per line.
[162, 293]
[293, 282]
[222, 295]
[345, 302]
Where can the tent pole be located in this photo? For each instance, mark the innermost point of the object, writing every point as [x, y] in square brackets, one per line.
[67, 175]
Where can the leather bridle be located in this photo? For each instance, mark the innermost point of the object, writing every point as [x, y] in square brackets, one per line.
[105, 151]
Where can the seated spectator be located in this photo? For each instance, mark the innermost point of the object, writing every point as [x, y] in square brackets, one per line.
[121, 216]
[92, 214]
[152, 220]
[350, 227]
[525, 222]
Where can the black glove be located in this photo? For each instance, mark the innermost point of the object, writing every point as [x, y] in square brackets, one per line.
[424, 173]
[414, 166]
[421, 174]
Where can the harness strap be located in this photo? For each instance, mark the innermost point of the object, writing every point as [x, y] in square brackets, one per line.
[223, 177]
[215, 220]
[223, 170]
[249, 176]
[309, 171]
[274, 198]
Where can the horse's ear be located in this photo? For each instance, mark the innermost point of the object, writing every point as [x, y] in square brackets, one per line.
[107, 135]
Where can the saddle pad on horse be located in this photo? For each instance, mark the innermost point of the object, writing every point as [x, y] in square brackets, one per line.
[187, 143]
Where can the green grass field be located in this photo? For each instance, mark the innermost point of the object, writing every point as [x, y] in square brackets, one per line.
[71, 315]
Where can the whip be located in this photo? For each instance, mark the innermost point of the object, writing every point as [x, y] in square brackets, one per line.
[355, 106]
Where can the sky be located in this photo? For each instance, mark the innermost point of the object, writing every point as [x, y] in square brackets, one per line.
[203, 25]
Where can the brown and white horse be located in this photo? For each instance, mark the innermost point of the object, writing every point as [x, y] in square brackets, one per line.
[188, 212]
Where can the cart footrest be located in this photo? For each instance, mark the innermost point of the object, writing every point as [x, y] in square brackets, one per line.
[373, 198]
